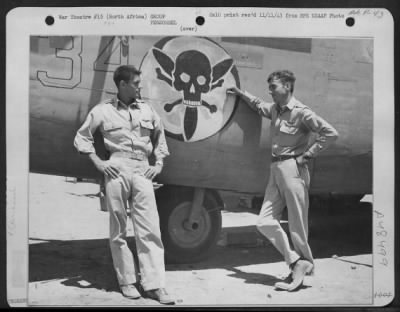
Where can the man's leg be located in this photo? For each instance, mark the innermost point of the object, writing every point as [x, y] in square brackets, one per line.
[269, 217]
[295, 181]
[148, 240]
[117, 193]
[147, 233]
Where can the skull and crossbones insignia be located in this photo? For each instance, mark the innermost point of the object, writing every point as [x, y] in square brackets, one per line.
[193, 75]
[185, 79]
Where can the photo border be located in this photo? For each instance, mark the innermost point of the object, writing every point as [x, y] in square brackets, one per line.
[20, 200]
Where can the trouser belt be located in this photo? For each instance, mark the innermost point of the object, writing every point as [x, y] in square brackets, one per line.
[282, 157]
[138, 155]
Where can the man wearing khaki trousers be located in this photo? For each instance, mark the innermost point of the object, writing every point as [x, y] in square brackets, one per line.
[132, 131]
[292, 124]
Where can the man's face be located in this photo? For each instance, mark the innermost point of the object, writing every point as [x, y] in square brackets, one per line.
[131, 88]
[279, 91]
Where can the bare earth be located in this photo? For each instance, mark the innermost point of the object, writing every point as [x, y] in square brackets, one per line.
[70, 263]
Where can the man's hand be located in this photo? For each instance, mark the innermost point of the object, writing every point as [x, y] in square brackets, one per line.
[302, 160]
[104, 166]
[108, 169]
[152, 171]
[234, 90]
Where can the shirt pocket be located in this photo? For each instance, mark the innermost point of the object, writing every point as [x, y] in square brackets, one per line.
[110, 127]
[288, 128]
[113, 132]
[146, 127]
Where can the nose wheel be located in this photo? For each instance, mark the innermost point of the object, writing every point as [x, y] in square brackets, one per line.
[188, 234]
[188, 239]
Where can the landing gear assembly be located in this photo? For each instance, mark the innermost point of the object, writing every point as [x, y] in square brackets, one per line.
[190, 220]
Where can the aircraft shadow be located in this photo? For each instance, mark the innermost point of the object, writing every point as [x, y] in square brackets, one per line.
[82, 263]
[88, 263]
[332, 233]
[341, 231]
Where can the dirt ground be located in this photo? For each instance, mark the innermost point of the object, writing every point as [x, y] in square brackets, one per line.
[70, 262]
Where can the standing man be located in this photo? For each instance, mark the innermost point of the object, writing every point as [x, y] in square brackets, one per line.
[132, 131]
[292, 124]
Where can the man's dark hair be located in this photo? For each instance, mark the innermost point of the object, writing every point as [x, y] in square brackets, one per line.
[285, 76]
[125, 73]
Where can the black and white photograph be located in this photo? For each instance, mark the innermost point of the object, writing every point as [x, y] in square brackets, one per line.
[224, 168]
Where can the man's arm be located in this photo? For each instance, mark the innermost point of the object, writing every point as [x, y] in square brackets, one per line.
[160, 148]
[84, 141]
[258, 105]
[327, 134]
[104, 166]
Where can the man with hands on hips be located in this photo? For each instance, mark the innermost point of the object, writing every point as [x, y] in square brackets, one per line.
[292, 124]
[132, 132]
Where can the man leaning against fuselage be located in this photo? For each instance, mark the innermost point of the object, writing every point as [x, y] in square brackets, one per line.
[292, 124]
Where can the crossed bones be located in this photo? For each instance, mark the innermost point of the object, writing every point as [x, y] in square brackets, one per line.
[169, 106]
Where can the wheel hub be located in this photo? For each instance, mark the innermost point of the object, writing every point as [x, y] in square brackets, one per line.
[188, 234]
[190, 226]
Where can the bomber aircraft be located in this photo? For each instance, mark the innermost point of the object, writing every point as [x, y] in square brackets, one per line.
[216, 142]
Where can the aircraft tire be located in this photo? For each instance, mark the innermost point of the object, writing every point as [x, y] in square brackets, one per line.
[182, 245]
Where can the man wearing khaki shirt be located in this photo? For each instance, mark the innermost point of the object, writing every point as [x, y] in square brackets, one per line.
[292, 124]
[132, 131]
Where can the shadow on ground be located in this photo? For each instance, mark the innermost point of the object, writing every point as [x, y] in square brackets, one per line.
[88, 263]
[341, 231]
[75, 261]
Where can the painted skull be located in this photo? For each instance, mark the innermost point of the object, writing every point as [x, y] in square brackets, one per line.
[195, 105]
[192, 75]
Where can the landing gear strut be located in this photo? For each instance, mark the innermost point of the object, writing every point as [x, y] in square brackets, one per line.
[190, 220]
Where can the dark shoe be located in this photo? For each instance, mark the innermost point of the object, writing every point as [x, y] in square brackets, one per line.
[130, 291]
[160, 295]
